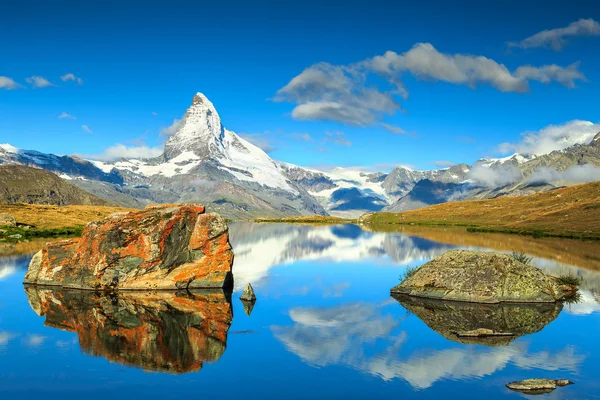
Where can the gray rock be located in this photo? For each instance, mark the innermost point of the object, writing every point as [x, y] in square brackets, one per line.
[480, 277]
[537, 385]
[248, 294]
[7, 220]
[15, 236]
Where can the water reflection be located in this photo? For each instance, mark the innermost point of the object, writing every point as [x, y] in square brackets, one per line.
[455, 320]
[260, 247]
[323, 301]
[11, 264]
[363, 336]
[159, 331]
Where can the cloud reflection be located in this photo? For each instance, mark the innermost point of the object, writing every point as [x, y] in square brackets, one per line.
[347, 335]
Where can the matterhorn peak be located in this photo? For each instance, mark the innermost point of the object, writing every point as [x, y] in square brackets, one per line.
[200, 131]
[596, 140]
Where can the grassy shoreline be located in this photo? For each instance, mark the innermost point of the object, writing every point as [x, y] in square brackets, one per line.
[33, 233]
[474, 228]
[571, 212]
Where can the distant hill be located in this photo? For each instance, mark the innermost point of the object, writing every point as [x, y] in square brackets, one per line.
[20, 184]
[569, 211]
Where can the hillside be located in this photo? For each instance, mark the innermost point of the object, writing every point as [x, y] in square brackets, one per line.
[571, 211]
[20, 184]
[56, 217]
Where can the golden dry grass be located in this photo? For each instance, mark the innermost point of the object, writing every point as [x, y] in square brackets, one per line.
[54, 217]
[571, 211]
[581, 253]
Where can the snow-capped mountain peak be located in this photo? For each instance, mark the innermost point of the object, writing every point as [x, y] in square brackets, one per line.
[513, 158]
[5, 147]
[200, 131]
[202, 139]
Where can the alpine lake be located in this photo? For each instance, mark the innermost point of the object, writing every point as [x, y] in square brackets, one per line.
[324, 325]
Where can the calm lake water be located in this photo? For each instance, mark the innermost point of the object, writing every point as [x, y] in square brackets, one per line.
[324, 326]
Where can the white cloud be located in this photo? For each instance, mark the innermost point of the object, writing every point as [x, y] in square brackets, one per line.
[556, 38]
[86, 128]
[39, 82]
[337, 93]
[154, 113]
[173, 128]
[426, 62]
[259, 140]
[8, 83]
[553, 137]
[498, 176]
[65, 115]
[396, 130]
[548, 73]
[337, 138]
[347, 94]
[443, 163]
[71, 77]
[575, 174]
[119, 151]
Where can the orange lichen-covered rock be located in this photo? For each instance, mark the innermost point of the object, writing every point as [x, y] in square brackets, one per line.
[155, 330]
[165, 246]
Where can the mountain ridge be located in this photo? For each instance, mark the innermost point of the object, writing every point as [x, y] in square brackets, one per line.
[204, 162]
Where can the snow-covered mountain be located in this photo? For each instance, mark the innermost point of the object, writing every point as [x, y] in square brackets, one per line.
[204, 162]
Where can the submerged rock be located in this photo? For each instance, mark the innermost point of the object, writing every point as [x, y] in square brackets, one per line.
[537, 386]
[483, 324]
[7, 220]
[161, 247]
[158, 331]
[480, 277]
[248, 294]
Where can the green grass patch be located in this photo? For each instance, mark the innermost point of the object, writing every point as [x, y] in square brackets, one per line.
[521, 257]
[34, 233]
[569, 280]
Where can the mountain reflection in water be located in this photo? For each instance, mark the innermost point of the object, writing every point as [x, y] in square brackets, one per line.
[323, 315]
[159, 331]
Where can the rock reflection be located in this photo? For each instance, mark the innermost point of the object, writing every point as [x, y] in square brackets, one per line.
[455, 320]
[158, 331]
[365, 337]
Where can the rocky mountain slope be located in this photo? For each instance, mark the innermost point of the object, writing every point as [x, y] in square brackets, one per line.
[516, 175]
[21, 184]
[204, 162]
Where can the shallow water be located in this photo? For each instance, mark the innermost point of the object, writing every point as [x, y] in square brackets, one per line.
[324, 326]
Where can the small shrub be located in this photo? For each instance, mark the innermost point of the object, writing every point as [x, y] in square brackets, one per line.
[521, 257]
[407, 273]
[569, 280]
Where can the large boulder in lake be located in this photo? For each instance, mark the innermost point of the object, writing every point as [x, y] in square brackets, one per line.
[161, 247]
[480, 277]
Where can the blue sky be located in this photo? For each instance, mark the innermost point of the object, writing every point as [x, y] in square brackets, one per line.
[136, 67]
